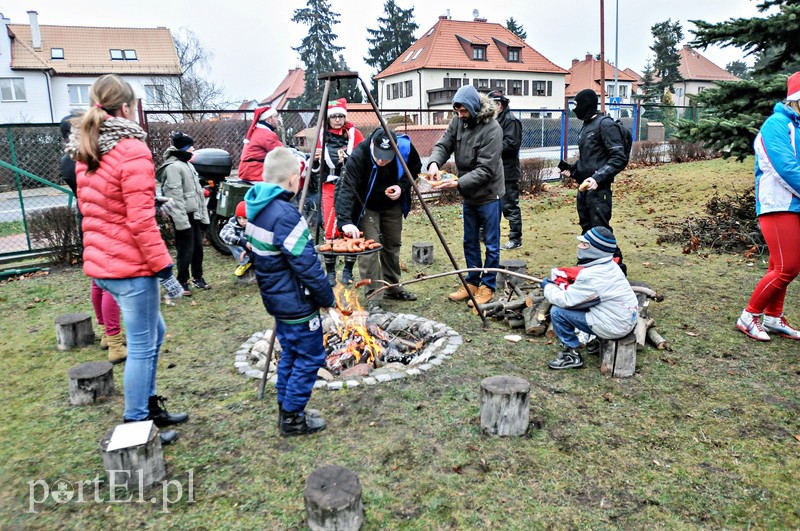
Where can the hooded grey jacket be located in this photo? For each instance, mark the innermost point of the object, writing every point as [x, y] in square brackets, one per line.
[477, 146]
[179, 180]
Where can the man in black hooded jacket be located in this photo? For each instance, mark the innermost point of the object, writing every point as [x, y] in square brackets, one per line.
[601, 157]
[512, 139]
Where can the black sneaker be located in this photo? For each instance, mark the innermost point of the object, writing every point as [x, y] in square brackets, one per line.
[186, 291]
[402, 295]
[569, 358]
[593, 347]
[199, 283]
[511, 244]
[159, 414]
[332, 278]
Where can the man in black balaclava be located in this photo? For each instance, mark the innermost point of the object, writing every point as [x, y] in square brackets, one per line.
[601, 157]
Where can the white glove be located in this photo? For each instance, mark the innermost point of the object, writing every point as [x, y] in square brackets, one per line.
[351, 230]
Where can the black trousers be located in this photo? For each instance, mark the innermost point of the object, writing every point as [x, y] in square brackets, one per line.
[594, 210]
[189, 244]
[511, 210]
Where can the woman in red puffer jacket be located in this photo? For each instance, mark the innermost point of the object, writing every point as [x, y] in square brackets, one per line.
[123, 250]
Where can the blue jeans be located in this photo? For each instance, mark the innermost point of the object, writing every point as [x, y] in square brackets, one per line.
[139, 300]
[302, 355]
[565, 322]
[236, 251]
[488, 217]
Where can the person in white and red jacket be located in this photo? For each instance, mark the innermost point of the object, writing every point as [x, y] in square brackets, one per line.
[261, 138]
[122, 247]
[594, 297]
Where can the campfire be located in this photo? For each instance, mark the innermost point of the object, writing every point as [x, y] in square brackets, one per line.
[355, 340]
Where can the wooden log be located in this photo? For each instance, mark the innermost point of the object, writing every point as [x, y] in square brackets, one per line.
[657, 341]
[333, 499]
[89, 382]
[135, 466]
[550, 332]
[505, 405]
[515, 266]
[422, 253]
[618, 356]
[516, 323]
[74, 330]
[640, 331]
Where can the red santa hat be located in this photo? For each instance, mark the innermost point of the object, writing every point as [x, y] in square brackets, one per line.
[793, 87]
[337, 107]
[261, 113]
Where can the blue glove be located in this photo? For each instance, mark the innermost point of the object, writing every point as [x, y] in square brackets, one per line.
[546, 281]
[165, 273]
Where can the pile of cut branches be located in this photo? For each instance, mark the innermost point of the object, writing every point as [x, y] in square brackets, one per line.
[730, 226]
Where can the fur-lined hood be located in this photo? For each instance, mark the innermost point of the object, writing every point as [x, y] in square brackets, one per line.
[480, 107]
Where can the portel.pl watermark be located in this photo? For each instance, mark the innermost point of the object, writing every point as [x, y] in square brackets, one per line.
[121, 487]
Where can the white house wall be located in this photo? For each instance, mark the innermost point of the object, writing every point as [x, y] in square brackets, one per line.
[434, 79]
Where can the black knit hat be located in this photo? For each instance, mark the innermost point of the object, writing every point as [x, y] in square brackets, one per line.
[182, 141]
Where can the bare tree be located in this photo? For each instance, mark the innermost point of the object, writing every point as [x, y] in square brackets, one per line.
[193, 90]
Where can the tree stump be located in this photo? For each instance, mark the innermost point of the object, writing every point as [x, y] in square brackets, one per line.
[135, 466]
[422, 253]
[515, 266]
[536, 318]
[89, 382]
[505, 404]
[74, 330]
[333, 499]
[619, 356]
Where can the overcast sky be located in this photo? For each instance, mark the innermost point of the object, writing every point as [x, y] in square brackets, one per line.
[251, 40]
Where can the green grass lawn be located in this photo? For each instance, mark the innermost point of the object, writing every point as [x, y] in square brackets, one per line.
[701, 437]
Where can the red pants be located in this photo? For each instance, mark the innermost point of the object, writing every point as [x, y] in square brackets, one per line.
[328, 212]
[782, 232]
[106, 310]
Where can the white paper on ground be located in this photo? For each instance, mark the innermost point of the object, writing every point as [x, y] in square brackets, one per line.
[130, 434]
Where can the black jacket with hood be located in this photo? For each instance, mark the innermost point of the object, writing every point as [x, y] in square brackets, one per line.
[601, 151]
[477, 145]
[512, 139]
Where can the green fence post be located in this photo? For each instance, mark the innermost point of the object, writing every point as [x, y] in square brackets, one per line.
[18, 181]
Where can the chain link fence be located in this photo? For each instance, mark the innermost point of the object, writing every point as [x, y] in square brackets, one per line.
[30, 185]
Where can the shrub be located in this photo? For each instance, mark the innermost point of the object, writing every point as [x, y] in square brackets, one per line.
[681, 151]
[531, 173]
[57, 229]
[646, 153]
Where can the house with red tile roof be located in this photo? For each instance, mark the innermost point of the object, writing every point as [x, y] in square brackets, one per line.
[291, 87]
[453, 53]
[585, 74]
[46, 71]
[699, 74]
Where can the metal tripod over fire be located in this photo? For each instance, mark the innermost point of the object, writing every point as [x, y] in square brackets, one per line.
[322, 120]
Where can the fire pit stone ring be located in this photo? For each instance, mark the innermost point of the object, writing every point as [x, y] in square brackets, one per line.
[413, 345]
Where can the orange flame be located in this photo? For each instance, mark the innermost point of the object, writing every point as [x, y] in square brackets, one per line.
[358, 343]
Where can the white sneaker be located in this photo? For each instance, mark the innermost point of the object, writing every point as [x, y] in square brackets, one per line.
[780, 327]
[750, 324]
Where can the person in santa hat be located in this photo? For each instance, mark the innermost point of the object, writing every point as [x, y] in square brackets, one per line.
[261, 138]
[778, 210]
[340, 139]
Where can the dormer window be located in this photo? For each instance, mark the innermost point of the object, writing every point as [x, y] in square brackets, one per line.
[478, 53]
[56, 53]
[417, 54]
[513, 55]
[123, 55]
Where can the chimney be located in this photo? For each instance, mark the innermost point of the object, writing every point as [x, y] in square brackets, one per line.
[448, 14]
[574, 62]
[442, 17]
[36, 36]
[588, 57]
[478, 19]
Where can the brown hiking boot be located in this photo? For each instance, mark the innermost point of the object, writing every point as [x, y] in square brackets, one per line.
[462, 294]
[103, 338]
[117, 353]
[483, 296]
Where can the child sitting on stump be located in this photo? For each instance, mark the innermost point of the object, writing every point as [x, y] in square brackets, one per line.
[594, 297]
[233, 235]
[293, 287]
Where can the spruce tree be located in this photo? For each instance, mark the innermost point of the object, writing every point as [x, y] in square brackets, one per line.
[738, 69]
[516, 28]
[648, 90]
[319, 54]
[735, 111]
[393, 36]
[666, 38]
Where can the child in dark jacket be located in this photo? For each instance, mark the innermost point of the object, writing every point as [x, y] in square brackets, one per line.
[293, 287]
[233, 235]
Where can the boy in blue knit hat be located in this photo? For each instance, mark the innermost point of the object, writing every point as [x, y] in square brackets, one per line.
[594, 297]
